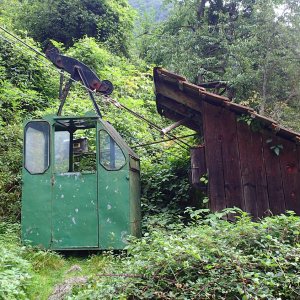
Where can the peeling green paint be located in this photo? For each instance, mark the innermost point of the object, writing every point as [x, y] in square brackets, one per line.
[90, 210]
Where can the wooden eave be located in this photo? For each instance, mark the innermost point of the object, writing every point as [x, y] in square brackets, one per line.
[177, 99]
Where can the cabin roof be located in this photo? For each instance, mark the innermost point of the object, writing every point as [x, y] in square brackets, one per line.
[88, 121]
[177, 99]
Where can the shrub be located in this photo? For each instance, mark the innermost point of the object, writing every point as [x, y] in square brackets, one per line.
[213, 259]
[14, 270]
[10, 171]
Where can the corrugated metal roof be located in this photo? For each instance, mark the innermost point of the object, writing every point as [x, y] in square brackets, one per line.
[177, 99]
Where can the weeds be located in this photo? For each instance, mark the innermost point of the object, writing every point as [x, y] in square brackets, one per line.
[209, 258]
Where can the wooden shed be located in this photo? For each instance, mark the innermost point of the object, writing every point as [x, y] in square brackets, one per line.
[251, 161]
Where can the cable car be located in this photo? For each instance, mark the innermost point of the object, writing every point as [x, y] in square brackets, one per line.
[81, 183]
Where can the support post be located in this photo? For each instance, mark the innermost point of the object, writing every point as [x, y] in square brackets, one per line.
[85, 82]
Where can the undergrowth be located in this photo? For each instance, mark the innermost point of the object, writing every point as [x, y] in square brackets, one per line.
[14, 269]
[209, 258]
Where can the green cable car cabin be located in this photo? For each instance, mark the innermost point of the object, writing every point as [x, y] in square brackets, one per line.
[81, 181]
[81, 185]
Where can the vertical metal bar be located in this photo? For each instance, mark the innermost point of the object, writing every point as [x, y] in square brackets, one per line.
[97, 175]
[61, 81]
[71, 169]
[112, 153]
[64, 95]
[85, 82]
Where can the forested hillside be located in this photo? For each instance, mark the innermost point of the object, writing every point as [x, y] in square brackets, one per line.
[186, 252]
[154, 8]
[253, 46]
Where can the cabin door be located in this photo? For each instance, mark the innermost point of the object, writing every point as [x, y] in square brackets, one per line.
[113, 188]
[74, 181]
[36, 191]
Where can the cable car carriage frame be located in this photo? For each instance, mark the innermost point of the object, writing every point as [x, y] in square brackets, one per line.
[81, 181]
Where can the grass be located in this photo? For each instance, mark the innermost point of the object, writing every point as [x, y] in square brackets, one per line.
[34, 273]
[50, 269]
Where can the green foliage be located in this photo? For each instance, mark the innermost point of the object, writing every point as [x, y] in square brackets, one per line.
[67, 21]
[251, 45]
[10, 170]
[25, 84]
[250, 120]
[25, 89]
[275, 148]
[204, 179]
[166, 187]
[211, 259]
[153, 7]
[133, 88]
[14, 269]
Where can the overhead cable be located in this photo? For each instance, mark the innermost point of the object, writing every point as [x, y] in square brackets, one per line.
[111, 100]
[163, 141]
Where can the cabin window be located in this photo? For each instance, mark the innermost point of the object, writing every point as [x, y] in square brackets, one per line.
[75, 150]
[62, 151]
[37, 147]
[111, 156]
[84, 150]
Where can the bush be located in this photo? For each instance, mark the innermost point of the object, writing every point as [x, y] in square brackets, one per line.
[10, 171]
[14, 270]
[213, 259]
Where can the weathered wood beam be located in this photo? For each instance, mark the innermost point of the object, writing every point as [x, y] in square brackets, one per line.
[178, 96]
[174, 125]
[175, 117]
[177, 107]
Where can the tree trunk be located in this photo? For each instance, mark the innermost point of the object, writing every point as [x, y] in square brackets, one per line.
[264, 92]
[201, 8]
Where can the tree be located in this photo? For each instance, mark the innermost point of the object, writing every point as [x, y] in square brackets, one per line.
[252, 45]
[154, 7]
[66, 21]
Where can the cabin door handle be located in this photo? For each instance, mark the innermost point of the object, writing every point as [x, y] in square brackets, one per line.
[52, 180]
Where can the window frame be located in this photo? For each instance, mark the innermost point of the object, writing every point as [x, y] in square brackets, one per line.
[48, 148]
[125, 158]
[137, 167]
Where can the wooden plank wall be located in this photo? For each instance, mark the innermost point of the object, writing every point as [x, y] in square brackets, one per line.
[243, 170]
[198, 167]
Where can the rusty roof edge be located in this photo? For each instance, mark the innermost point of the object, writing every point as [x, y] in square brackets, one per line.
[169, 74]
[215, 99]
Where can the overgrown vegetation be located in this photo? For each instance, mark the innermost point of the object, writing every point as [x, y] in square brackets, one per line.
[252, 46]
[186, 253]
[209, 258]
[110, 22]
